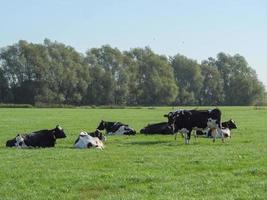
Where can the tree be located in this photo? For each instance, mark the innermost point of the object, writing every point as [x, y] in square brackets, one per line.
[49, 73]
[113, 73]
[18, 68]
[66, 74]
[154, 83]
[212, 90]
[187, 73]
[5, 95]
[241, 85]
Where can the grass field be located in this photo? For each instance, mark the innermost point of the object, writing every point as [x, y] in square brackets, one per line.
[135, 167]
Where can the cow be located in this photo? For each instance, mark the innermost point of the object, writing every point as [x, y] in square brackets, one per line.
[157, 128]
[41, 138]
[185, 121]
[18, 142]
[89, 140]
[116, 128]
[227, 126]
[97, 134]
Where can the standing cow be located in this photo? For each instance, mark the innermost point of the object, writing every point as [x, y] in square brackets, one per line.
[185, 121]
[42, 138]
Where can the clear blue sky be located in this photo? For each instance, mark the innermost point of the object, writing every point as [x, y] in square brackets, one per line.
[196, 29]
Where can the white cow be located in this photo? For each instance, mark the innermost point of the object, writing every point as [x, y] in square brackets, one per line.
[87, 141]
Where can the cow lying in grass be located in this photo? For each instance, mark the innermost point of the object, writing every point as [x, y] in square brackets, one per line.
[227, 126]
[116, 128]
[90, 140]
[157, 128]
[42, 138]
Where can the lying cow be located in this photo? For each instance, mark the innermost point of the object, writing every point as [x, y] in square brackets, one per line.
[116, 128]
[157, 128]
[42, 138]
[89, 140]
[227, 126]
[185, 121]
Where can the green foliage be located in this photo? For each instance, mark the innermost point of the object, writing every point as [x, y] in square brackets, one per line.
[53, 73]
[212, 90]
[133, 167]
[189, 79]
[154, 78]
[241, 85]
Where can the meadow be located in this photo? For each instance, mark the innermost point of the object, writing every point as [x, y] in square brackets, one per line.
[133, 167]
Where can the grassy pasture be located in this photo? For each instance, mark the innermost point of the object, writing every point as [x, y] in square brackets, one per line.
[136, 167]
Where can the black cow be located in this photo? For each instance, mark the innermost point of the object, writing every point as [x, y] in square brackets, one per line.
[185, 121]
[157, 128]
[42, 138]
[116, 128]
[227, 126]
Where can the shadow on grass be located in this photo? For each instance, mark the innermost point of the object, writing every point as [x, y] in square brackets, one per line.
[148, 142]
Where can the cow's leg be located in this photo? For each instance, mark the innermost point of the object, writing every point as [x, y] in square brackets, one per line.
[175, 136]
[187, 134]
[195, 135]
[213, 133]
[221, 133]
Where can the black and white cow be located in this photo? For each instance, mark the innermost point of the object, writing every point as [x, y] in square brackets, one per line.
[42, 138]
[185, 121]
[89, 140]
[116, 128]
[157, 128]
[227, 126]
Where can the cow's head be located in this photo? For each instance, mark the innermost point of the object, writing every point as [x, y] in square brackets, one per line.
[231, 124]
[170, 117]
[143, 130]
[102, 125]
[176, 119]
[129, 131]
[59, 132]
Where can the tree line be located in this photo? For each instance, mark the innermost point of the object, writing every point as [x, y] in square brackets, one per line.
[54, 73]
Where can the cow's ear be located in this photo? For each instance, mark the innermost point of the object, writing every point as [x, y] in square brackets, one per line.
[58, 127]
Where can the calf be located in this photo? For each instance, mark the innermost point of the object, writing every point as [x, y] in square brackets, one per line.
[157, 128]
[42, 138]
[227, 126]
[116, 128]
[89, 140]
[185, 121]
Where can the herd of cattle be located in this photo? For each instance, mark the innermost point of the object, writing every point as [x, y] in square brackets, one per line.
[203, 122]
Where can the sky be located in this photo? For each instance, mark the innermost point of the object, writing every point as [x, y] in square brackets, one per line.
[196, 29]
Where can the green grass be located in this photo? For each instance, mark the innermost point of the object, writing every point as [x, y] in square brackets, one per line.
[135, 167]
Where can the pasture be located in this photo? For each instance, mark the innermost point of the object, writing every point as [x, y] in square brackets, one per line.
[133, 167]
